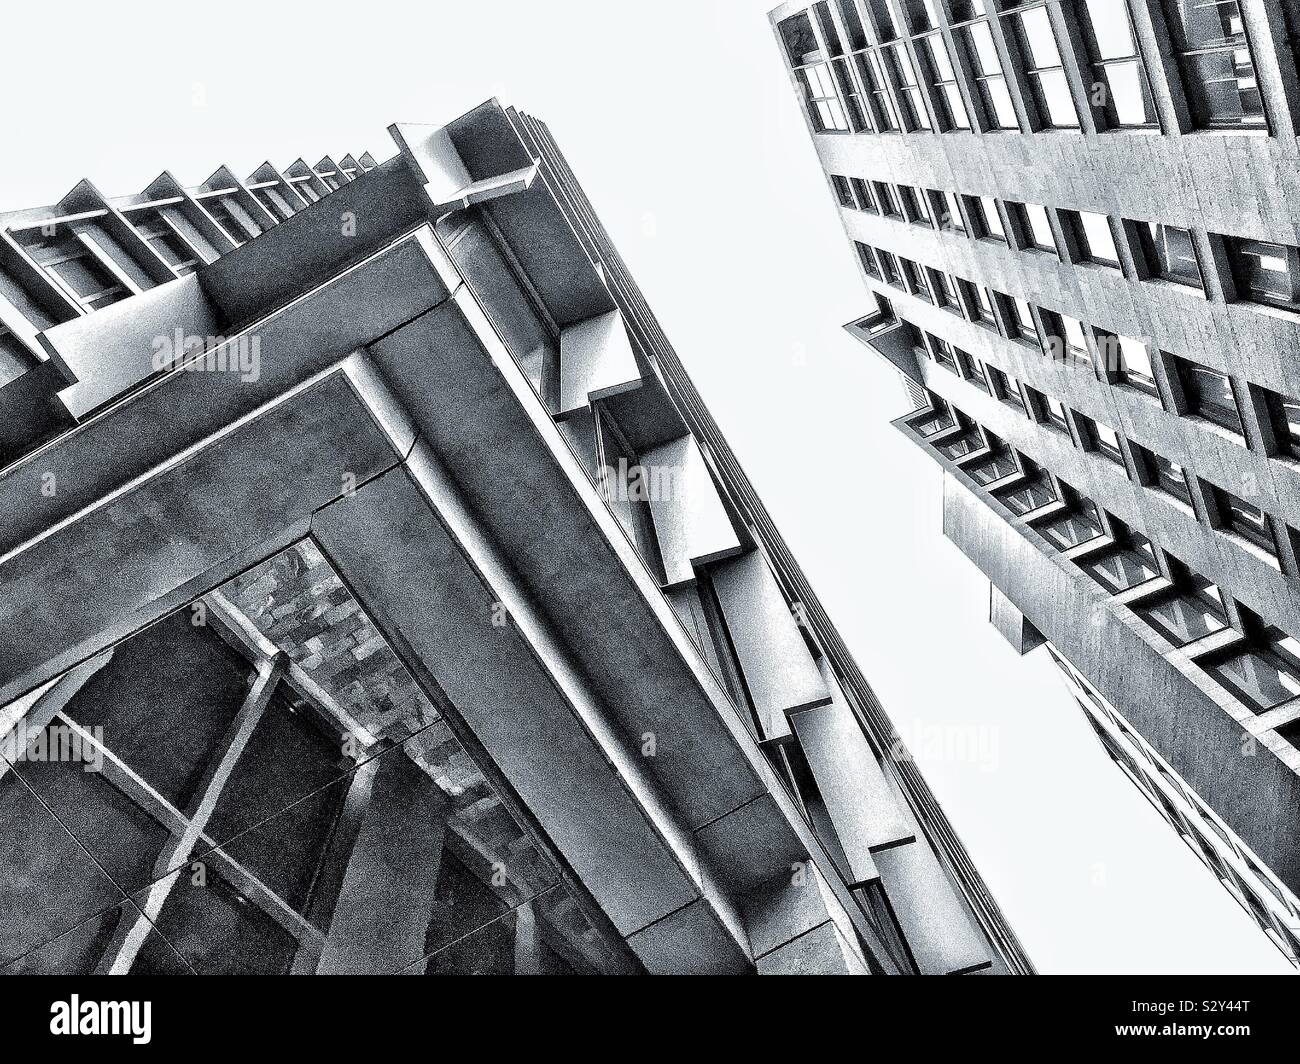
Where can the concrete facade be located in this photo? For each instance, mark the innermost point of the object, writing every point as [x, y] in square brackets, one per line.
[366, 535]
[1079, 225]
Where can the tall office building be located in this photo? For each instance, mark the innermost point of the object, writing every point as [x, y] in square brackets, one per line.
[1079, 225]
[376, 594]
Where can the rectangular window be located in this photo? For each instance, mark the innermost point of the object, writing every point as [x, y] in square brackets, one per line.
[1107, 442]
[1167, 476]
[917, 281]
[942, 353]
[872, 76]
[981, 306]
[1209, 395]
[1112, 47]
[1035, 229]
[1171, 254]
[888, 200]
[1245, 519]
[915, 116]
[862, 194]
[868, 260]
[1266, 273]
[889, 269]
[1215, 59]
[1096, 239]
[823, 101]
[950, 216]
[1022, 320]
[944, 294]
[1130, 360]
[1033, 28]
[947, 94]
[1285, 414]
[914, 205]
[982, 54]
[844, 191]
[973, 371]
[1055, 414]
[1067, 341]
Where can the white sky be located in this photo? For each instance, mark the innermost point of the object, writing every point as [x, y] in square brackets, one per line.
[680, 123]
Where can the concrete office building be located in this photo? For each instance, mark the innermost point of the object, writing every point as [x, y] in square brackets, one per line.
[1079, 224]
[377, 595]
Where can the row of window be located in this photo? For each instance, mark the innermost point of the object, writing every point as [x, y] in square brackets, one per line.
[1262, 271]
[88, 257]
[954, 65]
[1262, 668]
[1229, 511]
[1188, 388]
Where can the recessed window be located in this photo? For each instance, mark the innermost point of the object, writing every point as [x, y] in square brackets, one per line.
[1096, 239]
[1066, 340]
[1131, 362]
[1106, 442]
[1051, 90]
[67, 257]
[862, 194]
[966, 443]
[950, 214]
[1055, 414]
[973, 371]
[844, 191]
[984, 216]
[943, 354]
[1285, 414]
[937, 421]
[980, 305]
[1209, 395]
[1117, 64]
[872, 76]
[1216, 63]
[914, 205]
[888, 200]
[1037, 228]
[952, 108]
[868, 260]
[910, 97]
[1245, 519]
[823, 101]
[998, 465]
[1005, 388]
[918, 282]
[1167, 476]
[889, 269]
[944, 294]
[1266, 273]
[1171, 254]
[995, 100]
[1022, 319]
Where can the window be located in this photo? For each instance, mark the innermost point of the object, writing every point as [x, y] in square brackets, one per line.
[1096, 239]
[1032, 493]
[1266, 674]
[944, 294]
[995, 100]
[973, 371]
[1166, 476]
[823, 101]
[1266, 273]
[1171, 254]
[1244, 519]
[915, 206]
[942, 353]
[888, 200]
[843, 191]
[69, 260]
[1209, 395]
[1021, 320]
[1285, 415]
[1113, 50]
[918, 283]
[1033, 28]
[868, 260]
[950, 216]
[947, 95]
[985, 218]
[1106, 442]
[910, 98]
[862, 194]
[1055, 414]
[1066, 340]
[1217, 67]
[872, 77]
[1036, 229]
[980, 304]
[1130, 562]
[889, 269]
[1191, 611]
[1130, 361]
[1005, 388]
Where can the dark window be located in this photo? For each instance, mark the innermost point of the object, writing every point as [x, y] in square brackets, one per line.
[1167, 476]
[1054, 412]
[1106, 442]
[1245, 519]
[1266, 273]
[862, 194]
[973, 370]
[1209, 395]
[943, 353]
[887, 200]
[917, 281]
[1214, 56]
[889, 267]
[868, 260]
[914, 205]
[843, 191]
[1285, 414]
[1171, 254]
